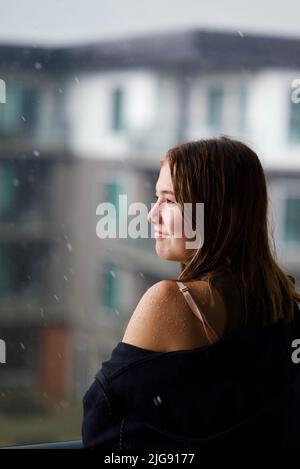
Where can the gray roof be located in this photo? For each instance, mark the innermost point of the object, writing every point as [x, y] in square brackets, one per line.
[207, 49]
[192, 48]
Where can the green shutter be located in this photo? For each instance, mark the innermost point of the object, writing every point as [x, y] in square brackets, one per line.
[7, 188]
[294, 122]
[6, 280]
[11, 111]
[112, 192]
[20, 110]
[29, 106]
[215, 107]
[111, 288]
[118, 109]
[292, 220]
[243, 106]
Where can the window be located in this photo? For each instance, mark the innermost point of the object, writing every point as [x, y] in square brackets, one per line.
[25, 190]
[242, 108]
[110, 287]
[291, 231]
[19, 113]
[294, 121]
[6, 280]
[8, 189]
[215, 108]
[118, 110]
[23, 270]
[22, 347]
[112, 192]
[87, 113]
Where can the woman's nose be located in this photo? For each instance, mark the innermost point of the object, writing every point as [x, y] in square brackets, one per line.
[153, 215]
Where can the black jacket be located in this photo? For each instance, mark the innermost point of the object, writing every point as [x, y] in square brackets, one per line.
[243, 391]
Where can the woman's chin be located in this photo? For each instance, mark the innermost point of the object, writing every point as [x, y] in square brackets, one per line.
[165, 252]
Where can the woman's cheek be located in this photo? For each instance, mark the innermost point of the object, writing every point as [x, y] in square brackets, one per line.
[173, 222]
[166, 219]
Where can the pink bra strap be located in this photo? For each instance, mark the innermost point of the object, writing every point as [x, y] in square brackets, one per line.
[191, 302]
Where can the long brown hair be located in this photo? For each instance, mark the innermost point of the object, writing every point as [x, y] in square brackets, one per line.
[228, 177]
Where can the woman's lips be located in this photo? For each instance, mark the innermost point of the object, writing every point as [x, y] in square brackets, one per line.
[159, 235]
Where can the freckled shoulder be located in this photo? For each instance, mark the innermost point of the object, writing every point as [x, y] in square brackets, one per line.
[147, 325]
[163, 321]
[182, 328]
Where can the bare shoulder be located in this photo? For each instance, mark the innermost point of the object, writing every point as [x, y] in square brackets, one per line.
[163, 321]
[146, 327]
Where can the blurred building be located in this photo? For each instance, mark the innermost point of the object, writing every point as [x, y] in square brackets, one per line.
[83, 125]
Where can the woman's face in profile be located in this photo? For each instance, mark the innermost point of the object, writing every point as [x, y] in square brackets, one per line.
[167, 219]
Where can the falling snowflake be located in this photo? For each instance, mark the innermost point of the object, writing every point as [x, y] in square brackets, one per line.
[157, 400]
[64, 404]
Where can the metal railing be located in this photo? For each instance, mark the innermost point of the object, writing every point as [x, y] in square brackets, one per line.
[72, 444]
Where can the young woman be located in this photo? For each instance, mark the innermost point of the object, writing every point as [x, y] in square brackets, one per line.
[206, 359]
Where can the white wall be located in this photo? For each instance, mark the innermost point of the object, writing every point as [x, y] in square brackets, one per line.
[267, 113]
[198, 105]
[269, 119]
[90, 111]
[152, 110]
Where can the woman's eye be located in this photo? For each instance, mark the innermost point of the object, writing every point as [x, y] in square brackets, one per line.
[168, 201]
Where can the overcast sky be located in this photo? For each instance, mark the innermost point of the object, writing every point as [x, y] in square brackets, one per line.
[62, 22]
